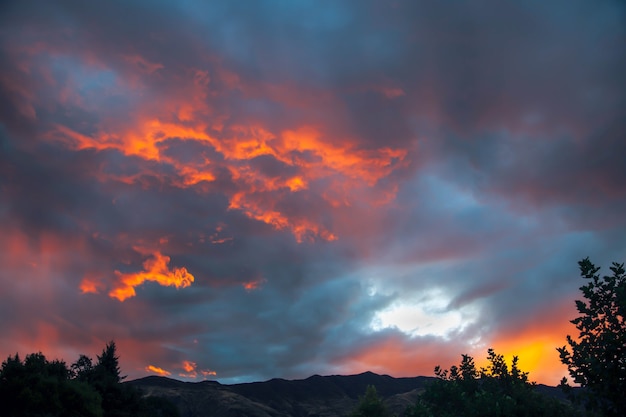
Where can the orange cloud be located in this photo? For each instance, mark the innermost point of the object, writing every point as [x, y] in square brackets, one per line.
[253, 285]
[156, 270]
[312, 153]
[157, 370]
[90, 285]
[344, 158]
[259, 210]
[348, 168]
[191, 371]
[141, 140]
[189, 366]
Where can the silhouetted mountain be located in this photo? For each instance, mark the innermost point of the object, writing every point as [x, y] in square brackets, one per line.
[316, 396]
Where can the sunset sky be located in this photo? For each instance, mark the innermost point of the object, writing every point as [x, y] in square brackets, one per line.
[243, 190]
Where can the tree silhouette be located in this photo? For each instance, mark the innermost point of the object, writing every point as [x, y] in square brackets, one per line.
[493, 391]
[597, 360]
[82, 369]
[37, 387]
[108, 363]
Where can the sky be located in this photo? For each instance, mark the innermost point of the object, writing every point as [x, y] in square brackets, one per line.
[246, 190]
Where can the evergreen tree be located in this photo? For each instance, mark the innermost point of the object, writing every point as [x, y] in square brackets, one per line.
[597, 360]
[108, 363]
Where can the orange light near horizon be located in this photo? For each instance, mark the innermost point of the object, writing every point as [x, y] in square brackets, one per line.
[536, 341]
[537, 356]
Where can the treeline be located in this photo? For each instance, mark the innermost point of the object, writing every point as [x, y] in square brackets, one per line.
[37, 387]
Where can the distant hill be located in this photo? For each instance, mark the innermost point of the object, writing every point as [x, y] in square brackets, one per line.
[316, 396]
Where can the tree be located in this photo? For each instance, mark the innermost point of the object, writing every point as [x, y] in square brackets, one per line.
[494, 391]
[82, 369]
[37, 387]
[370, 405]
[597, 360]
[108, 363]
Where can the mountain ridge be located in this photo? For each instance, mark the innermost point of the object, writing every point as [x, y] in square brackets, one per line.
[315, 396]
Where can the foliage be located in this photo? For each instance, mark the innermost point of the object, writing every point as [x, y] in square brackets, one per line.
[494, 391]
[82, 368]
[108, 363]
[38, 387]
[370, 405]
[597, 360]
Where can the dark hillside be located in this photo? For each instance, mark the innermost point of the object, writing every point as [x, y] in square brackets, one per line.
[315, 396]
[319, 396]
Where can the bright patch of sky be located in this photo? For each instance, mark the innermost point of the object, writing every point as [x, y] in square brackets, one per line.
[425, 316]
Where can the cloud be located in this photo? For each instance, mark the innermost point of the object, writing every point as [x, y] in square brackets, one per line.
[156, 270]
[157, 370]
[191, 371]
[332, 188]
